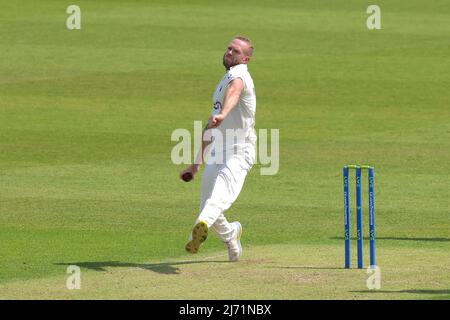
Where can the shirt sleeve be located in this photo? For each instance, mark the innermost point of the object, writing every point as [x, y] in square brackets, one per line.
[236, 73]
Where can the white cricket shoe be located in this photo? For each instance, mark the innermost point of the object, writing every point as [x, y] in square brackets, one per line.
[234, 245]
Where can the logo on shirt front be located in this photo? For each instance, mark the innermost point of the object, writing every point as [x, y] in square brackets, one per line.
[217, 105]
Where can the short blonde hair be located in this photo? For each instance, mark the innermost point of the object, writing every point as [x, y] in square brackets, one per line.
[248, 41]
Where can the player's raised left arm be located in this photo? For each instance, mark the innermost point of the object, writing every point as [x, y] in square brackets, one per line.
[231, 99]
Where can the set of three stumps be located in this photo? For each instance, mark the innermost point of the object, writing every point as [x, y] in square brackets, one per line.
[359, 214]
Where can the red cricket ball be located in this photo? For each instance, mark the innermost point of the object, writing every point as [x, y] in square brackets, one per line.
[187, 176]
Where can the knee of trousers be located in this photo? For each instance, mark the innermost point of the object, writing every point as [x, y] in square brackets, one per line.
[212, 210]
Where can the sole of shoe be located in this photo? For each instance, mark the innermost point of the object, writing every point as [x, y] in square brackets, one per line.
[199, 235]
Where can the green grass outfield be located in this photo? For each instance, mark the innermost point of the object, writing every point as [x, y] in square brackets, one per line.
[86, 176]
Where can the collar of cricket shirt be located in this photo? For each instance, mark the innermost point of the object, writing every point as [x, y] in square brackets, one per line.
[242, 65]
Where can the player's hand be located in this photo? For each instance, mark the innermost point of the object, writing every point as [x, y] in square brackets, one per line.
[216, 120]
[188, 173]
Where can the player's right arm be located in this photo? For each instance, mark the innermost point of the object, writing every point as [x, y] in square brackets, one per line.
[201, 154]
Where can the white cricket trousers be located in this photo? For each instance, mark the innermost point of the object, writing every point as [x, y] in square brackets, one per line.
[221, 185]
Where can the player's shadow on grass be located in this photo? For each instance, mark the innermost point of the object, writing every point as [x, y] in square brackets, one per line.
[405, 291]
[163, 268]
[401, 239]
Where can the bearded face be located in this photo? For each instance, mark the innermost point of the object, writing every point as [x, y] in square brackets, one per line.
[235, 54]
[230, 61]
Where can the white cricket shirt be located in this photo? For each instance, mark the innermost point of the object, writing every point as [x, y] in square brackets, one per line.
[242, 116]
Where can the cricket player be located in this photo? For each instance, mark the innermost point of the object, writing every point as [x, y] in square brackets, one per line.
[231, 144]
